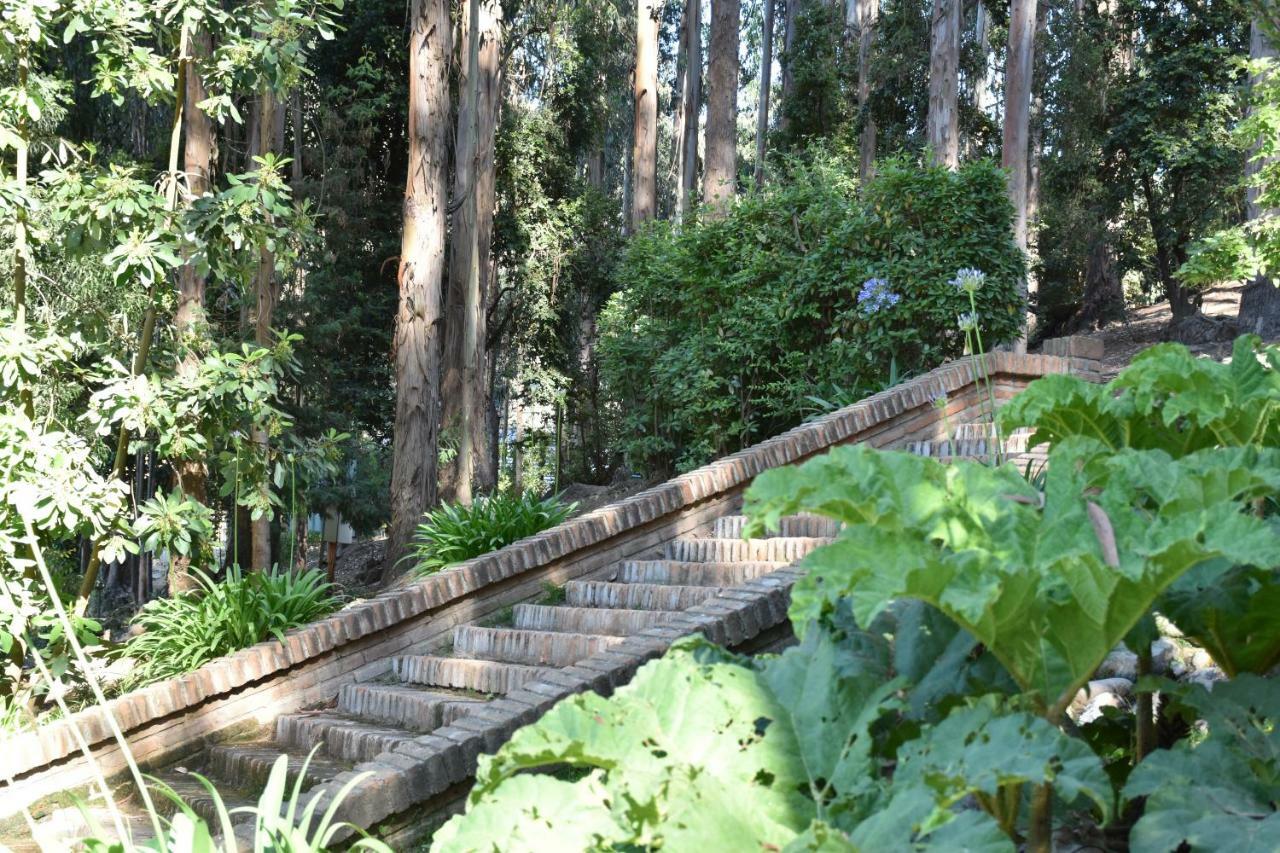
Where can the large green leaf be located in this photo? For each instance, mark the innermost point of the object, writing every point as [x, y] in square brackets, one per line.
[978, 749]
[1050, 584]
[1166, 399]
[1231, 612]
[1223, 793]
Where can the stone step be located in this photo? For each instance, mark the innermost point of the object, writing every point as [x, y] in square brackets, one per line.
[248, 765]
[634, 596]
[731, 526]
[483, 676]
[411, 708]
[536, 648]
[343, 738]
[585, 620]
[785, 550]
[678, 573]
[195, 795]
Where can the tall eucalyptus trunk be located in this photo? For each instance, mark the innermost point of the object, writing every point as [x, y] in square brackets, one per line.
[1017, 113]
[644, 156]
[690, 106]
[943, 129]
[720, 175]
[866, 14]
[766, 81]
[417, 337]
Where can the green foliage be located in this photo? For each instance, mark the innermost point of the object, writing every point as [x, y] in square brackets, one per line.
[1049, 582]
[1221, 794]
[456, 532]
[707, 749]
[281, 823]
[1170, 401]
[725, 328]
[220, 617]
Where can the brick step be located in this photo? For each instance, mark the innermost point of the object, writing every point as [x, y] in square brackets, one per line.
[785, 550]
[248, 765]
[536, 648]
[343, 738]
[731, 526]
[412, 708]
[483, 676]
[634, 596]
[674, 572]
[585, 620]
[195, 795]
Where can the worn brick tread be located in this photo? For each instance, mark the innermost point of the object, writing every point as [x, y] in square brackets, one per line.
[343, 738]
[484, 676]
[585, 620]
[780, 549]
[635, 596]
[692, 574]
[413, 708]
[731, 526]
[536, 648]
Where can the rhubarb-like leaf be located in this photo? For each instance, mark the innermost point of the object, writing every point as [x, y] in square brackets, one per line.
[1223, 793]
[1048, 584]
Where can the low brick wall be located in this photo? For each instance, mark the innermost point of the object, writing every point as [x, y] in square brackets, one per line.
[252, 687]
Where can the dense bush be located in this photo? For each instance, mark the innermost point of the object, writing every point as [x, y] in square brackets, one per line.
[723, 329]
[183, 632]
[456, 532]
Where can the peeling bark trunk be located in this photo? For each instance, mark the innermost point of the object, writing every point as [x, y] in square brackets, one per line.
[720, 176]
[1017, 109]
[464, 382]
[788, 72]
[943, 131]
[417, 336]
[766, 80]
[690, 107]
[644, 197]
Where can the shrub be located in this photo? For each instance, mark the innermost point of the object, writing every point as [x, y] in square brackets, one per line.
[455, 532]
[185, 631]
[723, 329]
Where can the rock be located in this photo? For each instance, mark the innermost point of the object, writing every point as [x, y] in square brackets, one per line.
[1163, 654]
[1121, 663]
[1206, 678]
[1201, 660]
[1098, 694]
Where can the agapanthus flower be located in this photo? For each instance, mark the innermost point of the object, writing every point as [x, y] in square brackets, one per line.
[968, 321]
[969, 279]
[875, 295]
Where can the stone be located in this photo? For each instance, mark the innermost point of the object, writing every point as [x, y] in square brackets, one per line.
[1121, 663]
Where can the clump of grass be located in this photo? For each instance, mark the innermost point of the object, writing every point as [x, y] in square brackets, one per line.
[221, 617]
[454, 532]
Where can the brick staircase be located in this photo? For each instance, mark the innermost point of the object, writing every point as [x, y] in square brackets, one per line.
[425, 692]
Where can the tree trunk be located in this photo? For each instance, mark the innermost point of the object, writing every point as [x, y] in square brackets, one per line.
[644, 158]
[944, 84]
[720, 177]
[867, 13]
[270, 138]
[982, 83]
[464, 386]
[198, 155]
[417, 336]
[690, 107]
[766, 80]
[788, 59]
[1017, 109]
[1260, 302]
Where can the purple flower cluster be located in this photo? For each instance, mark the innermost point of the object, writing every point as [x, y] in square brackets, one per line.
[875, 295]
